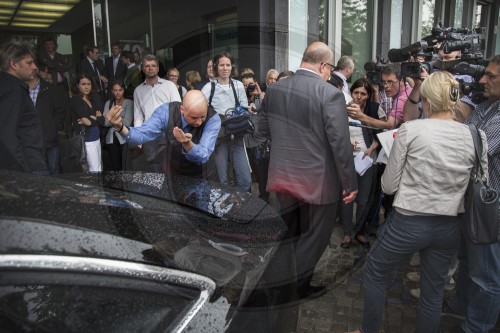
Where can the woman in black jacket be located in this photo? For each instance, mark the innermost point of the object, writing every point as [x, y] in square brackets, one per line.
[86, 115]
[363, 140]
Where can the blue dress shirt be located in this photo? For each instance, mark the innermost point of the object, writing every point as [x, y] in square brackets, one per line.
[153, 128]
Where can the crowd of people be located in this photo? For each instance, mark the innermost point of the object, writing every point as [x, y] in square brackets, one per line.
[310, 126]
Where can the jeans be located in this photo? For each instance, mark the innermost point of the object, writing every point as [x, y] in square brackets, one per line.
[478, 286]
[240, 161]
[437, 239]
[52, 155]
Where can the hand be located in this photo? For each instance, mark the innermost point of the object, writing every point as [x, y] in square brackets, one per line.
[354, 111]
[181, 136]
[355, 146]
[114, 116]
[98, 114]
[368, 153]
[349, 196]
[252, 108]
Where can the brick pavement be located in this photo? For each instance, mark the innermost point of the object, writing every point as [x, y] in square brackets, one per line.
[340, 309]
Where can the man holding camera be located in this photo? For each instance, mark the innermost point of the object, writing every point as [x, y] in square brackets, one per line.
[478, 285]
[395, 88]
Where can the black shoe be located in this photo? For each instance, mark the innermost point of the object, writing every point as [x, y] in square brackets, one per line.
[312, 292]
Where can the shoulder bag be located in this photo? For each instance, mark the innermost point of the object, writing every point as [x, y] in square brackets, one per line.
[481, 218]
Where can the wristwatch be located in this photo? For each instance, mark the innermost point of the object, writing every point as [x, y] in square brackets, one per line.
[118, 130]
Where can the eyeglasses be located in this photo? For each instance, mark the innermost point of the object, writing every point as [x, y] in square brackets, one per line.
[333, 67]
[389, 83]
[491, 76]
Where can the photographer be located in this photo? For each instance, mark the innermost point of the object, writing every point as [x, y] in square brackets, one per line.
[478, 283]
[258, 147]
[395, 88]
[413, 106]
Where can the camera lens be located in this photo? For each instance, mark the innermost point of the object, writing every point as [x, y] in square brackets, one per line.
[251, 87]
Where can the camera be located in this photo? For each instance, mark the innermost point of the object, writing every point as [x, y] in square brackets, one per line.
[414, 69]
[251, 87]
[374, 69]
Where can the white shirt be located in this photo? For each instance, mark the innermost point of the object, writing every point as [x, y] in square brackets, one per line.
[345, 89]
[223, 98]
[147, 98]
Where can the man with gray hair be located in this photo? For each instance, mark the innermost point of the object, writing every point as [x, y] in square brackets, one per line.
[344, 70]
[21, 139]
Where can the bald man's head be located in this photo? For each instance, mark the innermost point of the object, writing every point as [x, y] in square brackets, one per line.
[194, 107]
[317, 53]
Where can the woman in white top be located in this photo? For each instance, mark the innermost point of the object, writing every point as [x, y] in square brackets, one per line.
[115, 143]
[428, 170]
[227, 94]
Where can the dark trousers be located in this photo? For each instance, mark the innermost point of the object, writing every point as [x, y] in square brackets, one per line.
[115, 151]
[310, 228]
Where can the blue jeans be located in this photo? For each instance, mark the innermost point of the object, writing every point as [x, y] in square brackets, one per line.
[478, 286]
[239, 158]
[437, 239]
[52, 155]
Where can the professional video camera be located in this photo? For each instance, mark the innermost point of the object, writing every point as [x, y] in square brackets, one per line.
[472, 87]
[373, 70]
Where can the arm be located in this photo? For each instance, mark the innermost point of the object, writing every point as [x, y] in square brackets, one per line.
[337, 132]
[79, 111]
[138, 111]
[355, 112]
[200, 153]
[411, 109]
[151, 130]
[392, 174]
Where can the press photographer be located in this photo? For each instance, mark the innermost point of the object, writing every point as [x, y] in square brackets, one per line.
[258, 147]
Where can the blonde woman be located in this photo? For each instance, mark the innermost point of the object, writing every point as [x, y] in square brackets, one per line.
[428, 170]
[192, 78]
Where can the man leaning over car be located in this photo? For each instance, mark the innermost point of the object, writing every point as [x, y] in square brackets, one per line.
[191, 131]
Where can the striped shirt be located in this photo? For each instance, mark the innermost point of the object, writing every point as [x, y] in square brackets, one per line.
[34, 92]
[487, 117]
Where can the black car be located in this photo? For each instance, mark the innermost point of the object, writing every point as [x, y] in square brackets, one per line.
[140, 252]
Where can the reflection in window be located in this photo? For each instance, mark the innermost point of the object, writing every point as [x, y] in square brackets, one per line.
[357, 34]
[427, 17]
[459, 7]
[323, 21]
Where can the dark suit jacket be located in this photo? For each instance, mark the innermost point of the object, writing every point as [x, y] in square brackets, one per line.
[52, 108]
[56, 65]
[121, 71]
[86, 67]
[311, 154]
[21, 138]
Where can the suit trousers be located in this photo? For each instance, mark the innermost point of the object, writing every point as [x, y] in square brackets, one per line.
[310, 228]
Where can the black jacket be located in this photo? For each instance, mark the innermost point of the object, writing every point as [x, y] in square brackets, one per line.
[52, 108]
[21, 139]
[121, 71]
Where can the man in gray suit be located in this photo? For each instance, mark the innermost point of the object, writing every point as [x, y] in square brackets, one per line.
[311, 165]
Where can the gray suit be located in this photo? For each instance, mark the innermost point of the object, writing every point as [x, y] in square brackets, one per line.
[311, 160]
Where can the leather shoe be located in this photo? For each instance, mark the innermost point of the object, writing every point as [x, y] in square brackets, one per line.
[312, 292]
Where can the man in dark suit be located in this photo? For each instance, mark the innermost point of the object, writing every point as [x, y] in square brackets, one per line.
[115, 69]
[52, 109]
[311, 166]
[92, 66]
[55, 63]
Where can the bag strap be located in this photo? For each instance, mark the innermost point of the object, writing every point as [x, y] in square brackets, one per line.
[212, 91]
[478, 148]
[236, 100]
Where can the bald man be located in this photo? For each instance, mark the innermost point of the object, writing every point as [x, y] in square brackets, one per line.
[191, 130]
[311, 166]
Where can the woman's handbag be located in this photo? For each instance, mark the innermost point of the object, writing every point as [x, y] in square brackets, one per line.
[73, 153]
[481, 218]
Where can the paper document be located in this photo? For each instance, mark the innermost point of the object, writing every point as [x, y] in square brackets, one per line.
[362, 164]
[387, 140]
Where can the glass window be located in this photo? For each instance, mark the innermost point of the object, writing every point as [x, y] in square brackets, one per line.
[427, 17]
[357, 34]
[297, 39]
[323, 21]
[459, 7]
